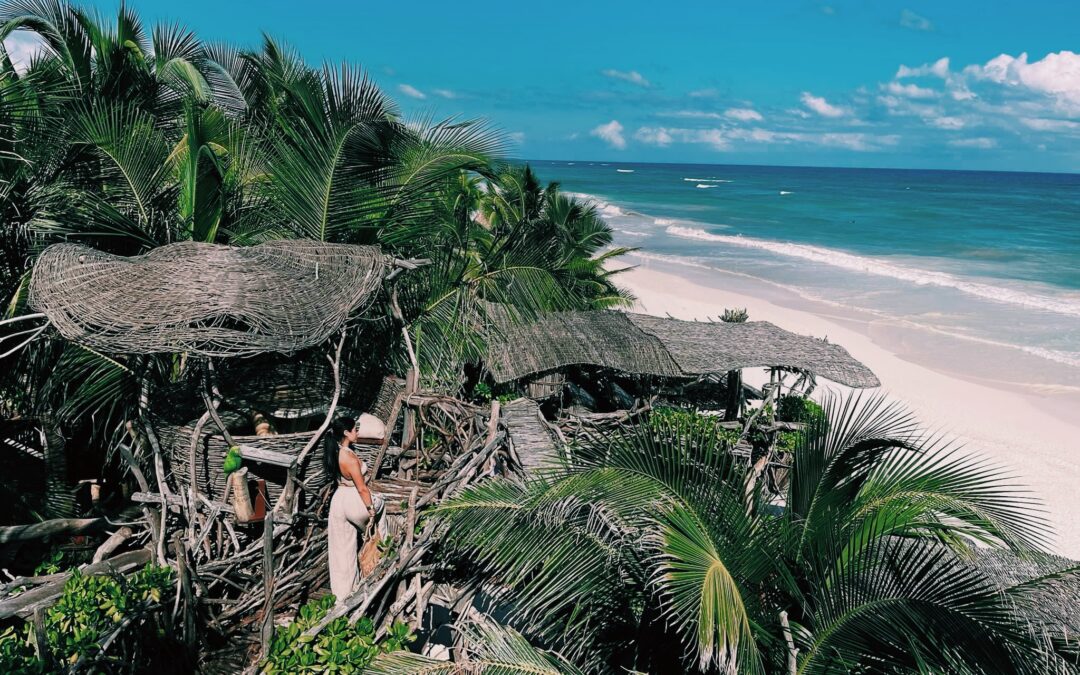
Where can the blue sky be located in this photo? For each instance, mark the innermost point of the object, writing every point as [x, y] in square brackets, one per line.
[949, 84]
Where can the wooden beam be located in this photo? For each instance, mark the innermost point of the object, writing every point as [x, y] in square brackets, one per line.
[49, 528]
[24, 604]
[267, 456]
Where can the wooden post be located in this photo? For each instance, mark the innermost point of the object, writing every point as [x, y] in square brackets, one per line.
[792, 652]
[391, 422]
[241, 497]
[733, 404]
[41, 638]
[412, 379]
[268, 583]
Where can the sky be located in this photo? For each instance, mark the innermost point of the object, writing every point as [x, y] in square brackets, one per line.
[949, 84]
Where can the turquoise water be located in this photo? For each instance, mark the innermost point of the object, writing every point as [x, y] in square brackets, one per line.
[989, 258]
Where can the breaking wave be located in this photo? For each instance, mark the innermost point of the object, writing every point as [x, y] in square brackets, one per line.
[857, 263]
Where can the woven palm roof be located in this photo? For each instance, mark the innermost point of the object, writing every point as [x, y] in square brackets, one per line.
[1054, 603]
[648, 345]
[205, 299]
[707, 347]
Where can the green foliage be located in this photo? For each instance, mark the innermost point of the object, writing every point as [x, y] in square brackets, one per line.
[51, 565]
[90, 608]
[482, 392]
[795, 408]
[493, 650]
[692, 421]
[735, 316]
[650, 530]
[339, 647]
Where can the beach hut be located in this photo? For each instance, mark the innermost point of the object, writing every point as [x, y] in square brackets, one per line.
[657, 347]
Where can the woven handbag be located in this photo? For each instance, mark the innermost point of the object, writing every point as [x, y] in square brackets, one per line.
[369, 553]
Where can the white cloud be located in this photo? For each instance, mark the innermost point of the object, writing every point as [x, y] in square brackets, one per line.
[411, 91]
[664, 136]
[1042, 124]
[704, 93]
[982, 143]
[909, 90]
[631, 76]
[947, 122]
[721, 139]
[822, 107]
[693, 115]
[654, 136]
[517, 137]
[1056, 75]
[909, 19]
[445, 93]
[744, 114]
[22, 46]
[611, 133]
[939, 68]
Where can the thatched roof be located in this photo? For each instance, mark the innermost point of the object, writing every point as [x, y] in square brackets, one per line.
[518, 349]
[1053, 604]
[649, 345]
[205, 299]
[708, 347]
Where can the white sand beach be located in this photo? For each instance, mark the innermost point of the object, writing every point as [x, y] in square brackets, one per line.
[1036, 436]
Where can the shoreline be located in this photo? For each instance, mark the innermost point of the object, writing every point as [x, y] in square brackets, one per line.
[1035, 437]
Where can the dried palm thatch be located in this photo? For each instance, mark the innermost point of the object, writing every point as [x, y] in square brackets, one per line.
[648, 345]
[1050, 604]
[205, 299]
[519, 349]
[711, 347]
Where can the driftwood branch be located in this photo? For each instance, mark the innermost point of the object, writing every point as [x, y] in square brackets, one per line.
[287, 499]
[50, 528]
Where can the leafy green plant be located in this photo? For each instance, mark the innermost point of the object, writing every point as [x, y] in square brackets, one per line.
[51, 565]
[738, 315]
[795, 408]
[667, 417]
[89, 610]
[339, 647]
[649, 530]
[482, 391]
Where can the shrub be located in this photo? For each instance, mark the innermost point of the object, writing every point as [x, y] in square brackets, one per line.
[340, 647]
[89, 609]
[795, 408]
[692, 419]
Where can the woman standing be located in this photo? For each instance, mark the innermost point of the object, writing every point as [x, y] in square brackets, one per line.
[351, 508]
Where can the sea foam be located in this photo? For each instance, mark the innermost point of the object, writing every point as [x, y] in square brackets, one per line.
[883, 268]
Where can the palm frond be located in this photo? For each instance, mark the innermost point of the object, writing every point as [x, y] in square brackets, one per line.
[491, 649]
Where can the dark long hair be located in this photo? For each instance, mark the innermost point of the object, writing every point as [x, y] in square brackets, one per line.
[332, 444]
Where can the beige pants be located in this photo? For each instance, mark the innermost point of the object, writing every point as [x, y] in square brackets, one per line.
[348, 518]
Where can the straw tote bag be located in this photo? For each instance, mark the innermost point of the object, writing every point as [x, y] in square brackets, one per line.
[369, 552]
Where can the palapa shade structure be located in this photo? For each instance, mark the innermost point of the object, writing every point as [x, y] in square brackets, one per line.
[518, 349]
[647, 345]
[709, 347]
[205, 299]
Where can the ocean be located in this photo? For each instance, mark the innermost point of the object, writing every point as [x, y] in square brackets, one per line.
[974, 272]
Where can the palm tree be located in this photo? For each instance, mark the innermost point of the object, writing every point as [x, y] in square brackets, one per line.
[653, 535]
[126, 139]
[502, 244]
